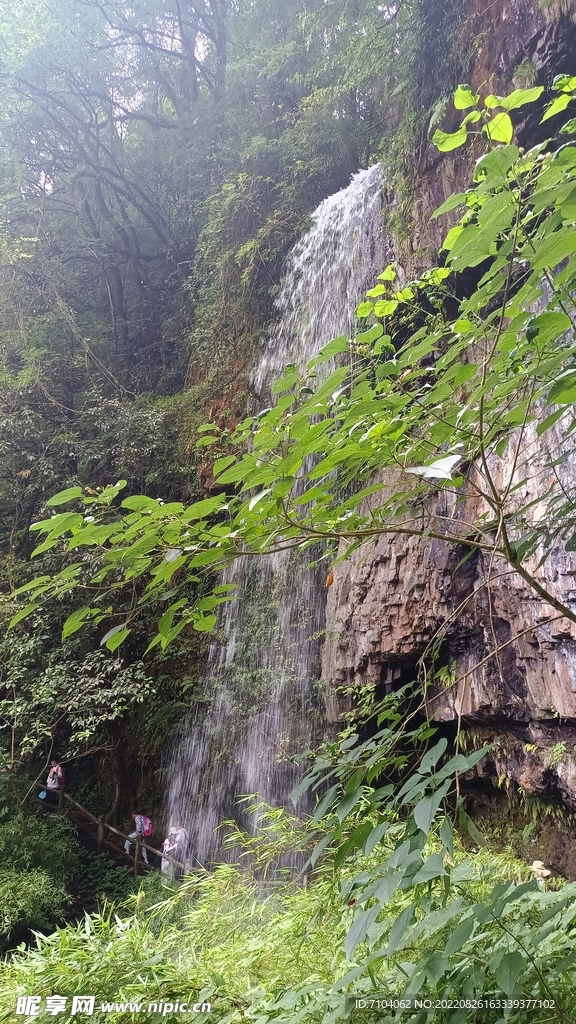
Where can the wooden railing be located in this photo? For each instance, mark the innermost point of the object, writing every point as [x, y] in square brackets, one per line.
[104, 826]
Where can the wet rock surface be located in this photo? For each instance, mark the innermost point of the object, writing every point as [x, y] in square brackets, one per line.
[502, 45]
[508, 662]
[503, 661]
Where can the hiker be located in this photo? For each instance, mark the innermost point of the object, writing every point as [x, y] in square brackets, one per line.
[55, 781]
[540, 873]
[181, 840]
[169, 847]
[181, 849]
[140, 832]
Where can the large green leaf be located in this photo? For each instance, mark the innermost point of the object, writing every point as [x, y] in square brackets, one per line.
[465, 97]
[427, 808]
[399, 929]
[63, 497]
[447, 141]
[509, 970]
[363, 920]
[500, 129]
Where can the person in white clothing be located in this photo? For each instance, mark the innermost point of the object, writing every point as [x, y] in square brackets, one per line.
[169, 847]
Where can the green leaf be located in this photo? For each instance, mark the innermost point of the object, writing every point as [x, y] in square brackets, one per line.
[460, 937]
[237, 472]
[207, 557]
[324, 803]
[286, 383]
[427, 808]
[464, 97]
[320, 847]
[446, 835]
[299, 790]
[555, 248]
[452, 237]
[550, 326]
[432, 868]
[492, 168]
[509, 970]
[32, 585]
[45, 546]
[60, 524]
[204, 624]
[399, 929]
[375, 836]
[500, 129]
[549, 421]
[564, 83]
[349, 801]
[363, 920]
[464, 374]
[64, 496]
[202, 509]
[76, 620]
[140, 503]
[354, 841]
[556, 107]
[432, 756]
[475, 834]
[221, 464]
[364, 309]
[22, 614]
[460, 763]
[114, 637]
[447, 141]
[456, 199]
[520, 97]
[385, 307]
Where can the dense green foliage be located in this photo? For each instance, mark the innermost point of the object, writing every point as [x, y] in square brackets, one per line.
[484, 383]
[45, 876]
[399, 907]
[157, 162]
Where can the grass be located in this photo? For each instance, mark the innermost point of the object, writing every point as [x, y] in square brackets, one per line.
[256, 950]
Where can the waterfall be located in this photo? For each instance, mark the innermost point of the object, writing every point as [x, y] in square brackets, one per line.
[264, 663]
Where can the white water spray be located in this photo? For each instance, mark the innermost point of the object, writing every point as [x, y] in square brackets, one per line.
[263, 666]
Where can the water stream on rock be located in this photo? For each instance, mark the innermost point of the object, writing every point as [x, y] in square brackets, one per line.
[263, 666]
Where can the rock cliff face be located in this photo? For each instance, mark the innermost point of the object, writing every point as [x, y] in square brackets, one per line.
[509, 662]
[504, 44]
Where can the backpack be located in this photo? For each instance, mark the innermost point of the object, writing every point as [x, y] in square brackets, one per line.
[147, 827]
[59, 773]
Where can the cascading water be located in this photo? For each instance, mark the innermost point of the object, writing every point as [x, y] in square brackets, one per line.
[263, 666]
